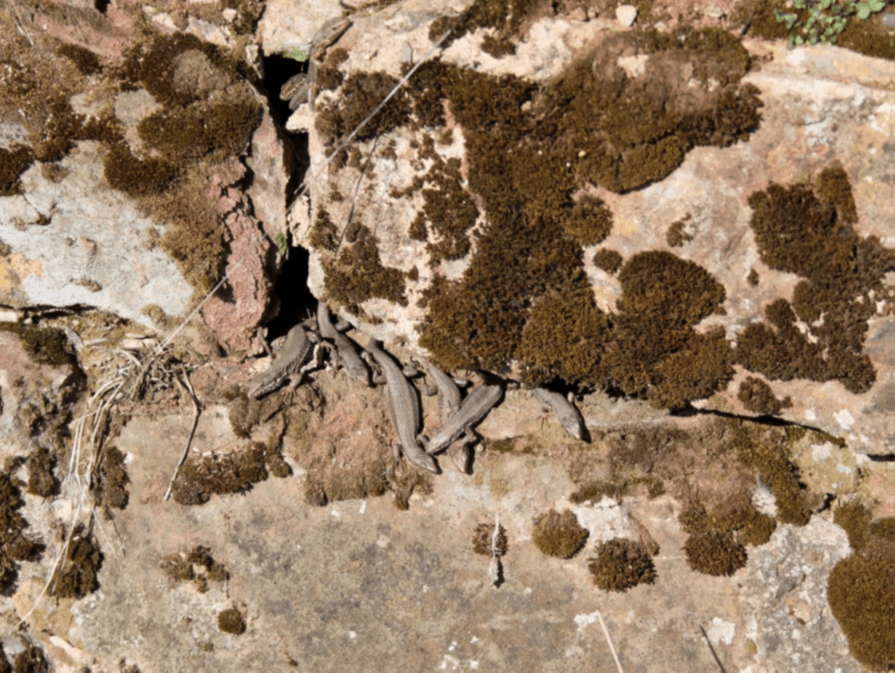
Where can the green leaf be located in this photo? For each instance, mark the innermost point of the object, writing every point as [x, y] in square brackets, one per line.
[825, 4]
[863, 12]
[877, 5]
[798, 39]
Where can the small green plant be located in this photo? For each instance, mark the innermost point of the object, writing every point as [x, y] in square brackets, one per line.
[826, 18]
[282, 244]
[297, 54]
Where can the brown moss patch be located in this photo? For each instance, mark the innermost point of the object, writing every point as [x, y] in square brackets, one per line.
[358, 274]
[113, 480]
[231, 621]
[563, 338]
[621, 564]
[78, 576]
[448, 212]
[808, 231]
[13, 162]
[654, 352]
[234, 472]
[86, 61]
[361, 93]
[861, 593]
[608, 260]
[589, 220]
[14, 545]
[41, 480]
[758, 397]
[677, 234]
[483, 536]
[713, 552]
[222, 125]
[196, 565]
[558, 534]
[47, 345]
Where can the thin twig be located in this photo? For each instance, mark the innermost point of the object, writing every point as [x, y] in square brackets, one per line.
[712, 649]
[618, 664]
[185, 384]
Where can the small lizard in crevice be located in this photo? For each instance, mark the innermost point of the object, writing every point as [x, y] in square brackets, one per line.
[298, 88]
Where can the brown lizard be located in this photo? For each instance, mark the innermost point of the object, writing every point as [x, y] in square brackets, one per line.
[404, 408]
[298, 88]
[296, 350]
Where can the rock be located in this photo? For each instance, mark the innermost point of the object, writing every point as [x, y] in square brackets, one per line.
[66, 245]
[626, 14]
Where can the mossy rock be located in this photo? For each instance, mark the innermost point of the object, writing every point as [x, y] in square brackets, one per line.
[558, 534]
[47, 345]
[807, 229]
[621, 564]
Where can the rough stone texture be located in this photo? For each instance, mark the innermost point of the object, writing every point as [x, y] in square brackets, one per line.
[360, 585]
[784, 589]
[78, 242]
[821, 105]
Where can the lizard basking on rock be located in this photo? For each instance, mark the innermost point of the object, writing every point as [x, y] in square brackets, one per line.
[346, 349]
[292, 356]
[567, 413]
[404, 408]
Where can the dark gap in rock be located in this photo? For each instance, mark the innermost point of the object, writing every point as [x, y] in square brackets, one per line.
[277, 70]
[881, 457]
[101, 5]
[295, 299]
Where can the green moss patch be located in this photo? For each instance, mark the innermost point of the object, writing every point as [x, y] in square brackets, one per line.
[808, 231]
